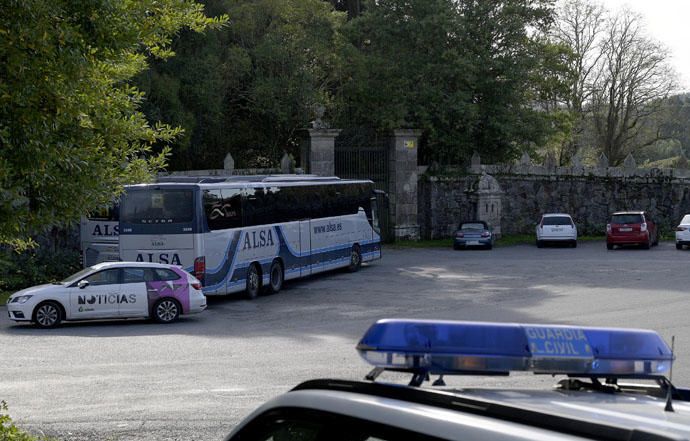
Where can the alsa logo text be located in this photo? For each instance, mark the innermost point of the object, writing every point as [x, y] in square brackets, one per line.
[105, 230]
[258, 239]
[171, 258]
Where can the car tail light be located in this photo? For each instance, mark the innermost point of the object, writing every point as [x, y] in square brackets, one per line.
[682, 229]
[486, 234]
[608, 228]
[460, 235]
[643, 227]
[196, 285]
[200, 267]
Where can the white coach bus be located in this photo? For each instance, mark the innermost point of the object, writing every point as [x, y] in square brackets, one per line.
[253, 232]
[98, 237]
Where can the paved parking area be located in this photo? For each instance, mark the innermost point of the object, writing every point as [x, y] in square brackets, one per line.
[197, 378]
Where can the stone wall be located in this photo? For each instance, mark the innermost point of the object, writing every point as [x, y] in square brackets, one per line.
[589, 194]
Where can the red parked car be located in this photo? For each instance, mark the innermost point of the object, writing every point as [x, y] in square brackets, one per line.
[631, 228]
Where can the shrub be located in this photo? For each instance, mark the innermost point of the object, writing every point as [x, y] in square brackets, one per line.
[8, 431]
[35, 266]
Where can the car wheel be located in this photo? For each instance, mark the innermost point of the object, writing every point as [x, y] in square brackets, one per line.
[679, 246]
[166, 310]
[489, 246]
[47, 315]
[355, 259]
[276, 277]
[456, 247]
[540, 244]
[253, 282]
[574, 244]
[647, 245]
[609, 246]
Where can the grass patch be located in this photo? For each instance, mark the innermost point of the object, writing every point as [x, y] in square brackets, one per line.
[515, 239]
[591, 238]
[4, 295]
[504, 241]
[435, 243]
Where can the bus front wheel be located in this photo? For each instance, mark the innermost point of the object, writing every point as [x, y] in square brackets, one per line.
[253, 282]
[355, 259]
[276, 277]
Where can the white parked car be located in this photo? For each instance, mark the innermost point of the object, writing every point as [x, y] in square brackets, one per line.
[111, 290]
[683, 233]
[556, 228]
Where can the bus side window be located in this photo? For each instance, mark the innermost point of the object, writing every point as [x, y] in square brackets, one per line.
[256, 210]
[213, 203]
[222, 208]
[232, 207]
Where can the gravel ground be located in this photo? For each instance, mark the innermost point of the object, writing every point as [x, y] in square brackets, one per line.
[196, 379]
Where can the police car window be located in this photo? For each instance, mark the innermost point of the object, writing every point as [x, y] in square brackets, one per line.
[164, 274]
[293, 424]
[133, 275]
[106, 277]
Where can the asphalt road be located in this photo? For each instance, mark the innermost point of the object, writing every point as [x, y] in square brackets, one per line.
[195, 379]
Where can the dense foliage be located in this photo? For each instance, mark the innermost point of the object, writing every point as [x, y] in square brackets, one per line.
[81, 114]
[71, 133]
[464, 72]
[53, 259]
[246, 89]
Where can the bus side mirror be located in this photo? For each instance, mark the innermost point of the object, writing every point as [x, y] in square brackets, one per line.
[83, 284]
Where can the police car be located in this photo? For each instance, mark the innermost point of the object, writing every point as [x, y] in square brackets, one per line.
[614, 386]
[111, 290]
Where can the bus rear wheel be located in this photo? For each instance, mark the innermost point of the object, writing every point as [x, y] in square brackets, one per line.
[355, 259]
[253, 282]
[276, 277]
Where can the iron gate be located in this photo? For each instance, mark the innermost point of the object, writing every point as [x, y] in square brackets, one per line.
[363, 154]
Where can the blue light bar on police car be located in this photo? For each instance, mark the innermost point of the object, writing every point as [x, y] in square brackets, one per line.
[453, 347]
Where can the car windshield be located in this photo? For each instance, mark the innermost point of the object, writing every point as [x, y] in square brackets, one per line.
[557, 220]
[626, 219]
[472, 226]
[76, 276]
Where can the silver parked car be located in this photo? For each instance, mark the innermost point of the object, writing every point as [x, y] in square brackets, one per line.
[556, 228]
[474, 234]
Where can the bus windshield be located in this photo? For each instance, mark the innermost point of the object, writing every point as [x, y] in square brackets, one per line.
[158, 206]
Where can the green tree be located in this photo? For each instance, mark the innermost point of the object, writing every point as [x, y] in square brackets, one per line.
[71, 133]
[248, 88]
[620, 80]
[464, 71]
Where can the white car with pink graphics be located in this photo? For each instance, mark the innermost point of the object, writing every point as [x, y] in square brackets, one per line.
[111, 290]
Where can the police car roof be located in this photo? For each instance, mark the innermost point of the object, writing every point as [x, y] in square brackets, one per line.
[496, 414]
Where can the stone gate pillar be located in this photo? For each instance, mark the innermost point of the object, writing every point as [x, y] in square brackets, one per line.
[402, 184]
[318, 151]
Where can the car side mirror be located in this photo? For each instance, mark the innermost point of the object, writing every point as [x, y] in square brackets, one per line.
[83, 284]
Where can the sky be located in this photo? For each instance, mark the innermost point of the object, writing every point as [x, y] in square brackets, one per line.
[667, 21]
